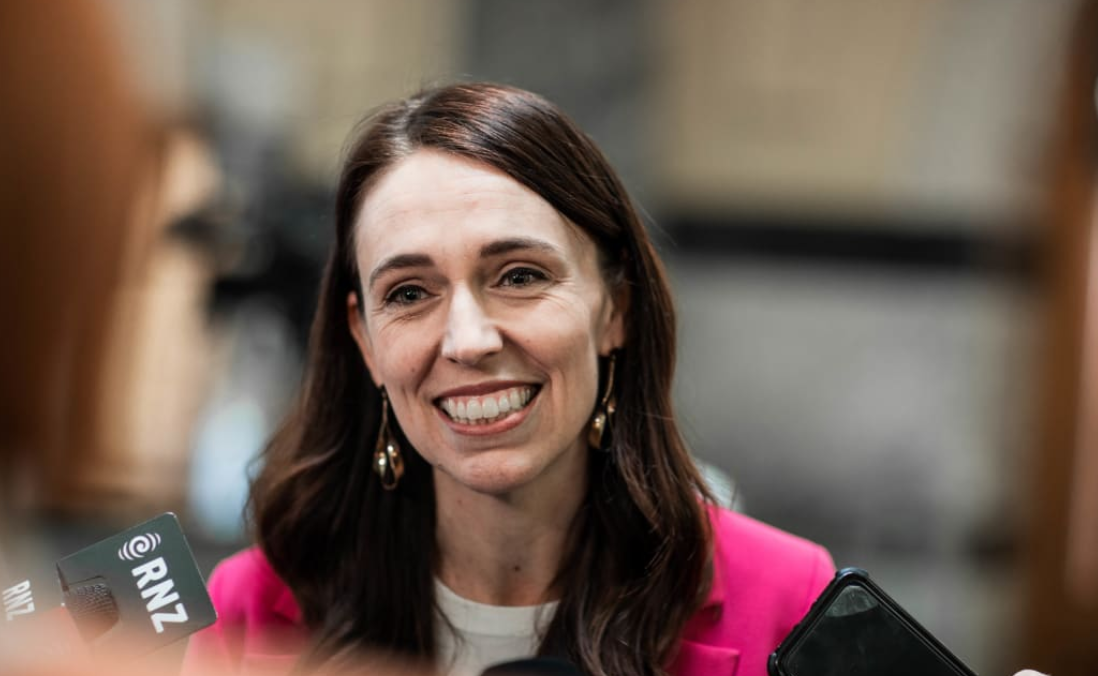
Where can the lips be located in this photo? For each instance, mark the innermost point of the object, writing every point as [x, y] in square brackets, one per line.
[487, 408]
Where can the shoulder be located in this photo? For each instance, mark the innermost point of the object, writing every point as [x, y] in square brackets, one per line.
[750, 553]
[758, 566]
[258, 621]
[244, 586]
[763, 582]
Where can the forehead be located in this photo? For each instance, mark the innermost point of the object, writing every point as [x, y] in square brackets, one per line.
[431, 200]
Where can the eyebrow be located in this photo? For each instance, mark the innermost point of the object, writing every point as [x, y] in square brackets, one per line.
[511, 244]
[496, 248]
[399, 262]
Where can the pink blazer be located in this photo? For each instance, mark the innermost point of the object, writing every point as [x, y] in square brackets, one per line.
[764, 581]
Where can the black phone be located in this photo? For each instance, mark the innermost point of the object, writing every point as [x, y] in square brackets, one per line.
[855, 628]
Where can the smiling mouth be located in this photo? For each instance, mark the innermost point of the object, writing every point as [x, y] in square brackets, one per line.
[488, 408]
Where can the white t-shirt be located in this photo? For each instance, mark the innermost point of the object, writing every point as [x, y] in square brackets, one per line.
[484, 635]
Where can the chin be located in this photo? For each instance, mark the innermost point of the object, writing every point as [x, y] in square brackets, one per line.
[494, 478]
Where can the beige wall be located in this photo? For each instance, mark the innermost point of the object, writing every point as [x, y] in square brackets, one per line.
[856, 104]
[318, 69]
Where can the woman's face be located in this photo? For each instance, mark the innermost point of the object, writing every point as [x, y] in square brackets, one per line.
[484, 315]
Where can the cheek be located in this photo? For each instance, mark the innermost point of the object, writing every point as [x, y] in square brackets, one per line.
[400, 356]
[564, 343]
[555, 334]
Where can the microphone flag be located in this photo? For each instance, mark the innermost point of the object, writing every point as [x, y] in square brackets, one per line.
[140, 589]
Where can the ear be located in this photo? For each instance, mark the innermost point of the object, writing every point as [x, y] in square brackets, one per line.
[613, 334]
[356, 321]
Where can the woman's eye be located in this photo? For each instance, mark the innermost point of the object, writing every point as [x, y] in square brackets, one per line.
[521, 277]
[408, 294]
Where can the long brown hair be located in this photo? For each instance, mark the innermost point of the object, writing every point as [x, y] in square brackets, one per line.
[361, 560]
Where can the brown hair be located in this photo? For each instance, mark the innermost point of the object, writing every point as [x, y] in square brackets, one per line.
[360, 560]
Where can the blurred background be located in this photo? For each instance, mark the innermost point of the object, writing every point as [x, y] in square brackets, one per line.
[877, 217]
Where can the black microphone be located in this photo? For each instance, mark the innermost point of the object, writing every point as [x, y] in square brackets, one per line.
[92, 608]
[533, 666]
[136, 591]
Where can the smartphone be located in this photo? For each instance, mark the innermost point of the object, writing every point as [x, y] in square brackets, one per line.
[855, 629]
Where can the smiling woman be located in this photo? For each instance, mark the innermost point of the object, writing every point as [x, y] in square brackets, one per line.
[484, 462]
[487, 344]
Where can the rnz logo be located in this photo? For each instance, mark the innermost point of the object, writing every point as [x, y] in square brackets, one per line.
[138, 546]
[18, 600]
[159, 595]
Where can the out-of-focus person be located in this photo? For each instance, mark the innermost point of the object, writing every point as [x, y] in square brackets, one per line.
[73, 140]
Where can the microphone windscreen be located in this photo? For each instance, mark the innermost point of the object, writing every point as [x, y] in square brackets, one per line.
[92, 607]
[534, 666]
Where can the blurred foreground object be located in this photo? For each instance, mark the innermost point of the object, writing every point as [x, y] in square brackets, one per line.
[73, 146]
[1061, 613]
[165, 663]
[101, 364]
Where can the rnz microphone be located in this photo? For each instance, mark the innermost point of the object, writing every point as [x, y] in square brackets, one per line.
[131, 593]
[533, 666]
[37, 625]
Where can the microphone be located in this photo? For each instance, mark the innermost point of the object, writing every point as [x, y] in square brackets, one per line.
[533, 666]
[132, 593]
[35, 618]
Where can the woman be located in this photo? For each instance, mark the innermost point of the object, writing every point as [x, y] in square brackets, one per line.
[484, 462]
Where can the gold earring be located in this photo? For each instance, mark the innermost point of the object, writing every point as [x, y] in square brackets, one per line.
[604, 414]
[387, 461]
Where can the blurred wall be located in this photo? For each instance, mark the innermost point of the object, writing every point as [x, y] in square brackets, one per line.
[854, 105]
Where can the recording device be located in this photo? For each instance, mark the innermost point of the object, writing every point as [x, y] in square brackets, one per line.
[32, 606]
[533, 666]
[135, 591]
[28, 595]
[854, 627]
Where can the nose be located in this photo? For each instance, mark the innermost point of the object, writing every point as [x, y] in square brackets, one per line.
[471, 334]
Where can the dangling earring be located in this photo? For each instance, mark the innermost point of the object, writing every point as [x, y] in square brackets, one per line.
[604, 414]
[387, 461]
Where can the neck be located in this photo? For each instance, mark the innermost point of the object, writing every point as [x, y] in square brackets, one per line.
[504, 550]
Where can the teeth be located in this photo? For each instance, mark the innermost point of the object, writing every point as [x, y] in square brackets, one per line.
[490, 408]
[485, 410]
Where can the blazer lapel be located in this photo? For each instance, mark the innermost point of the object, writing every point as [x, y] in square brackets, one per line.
[286, 606]
[698, 659]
